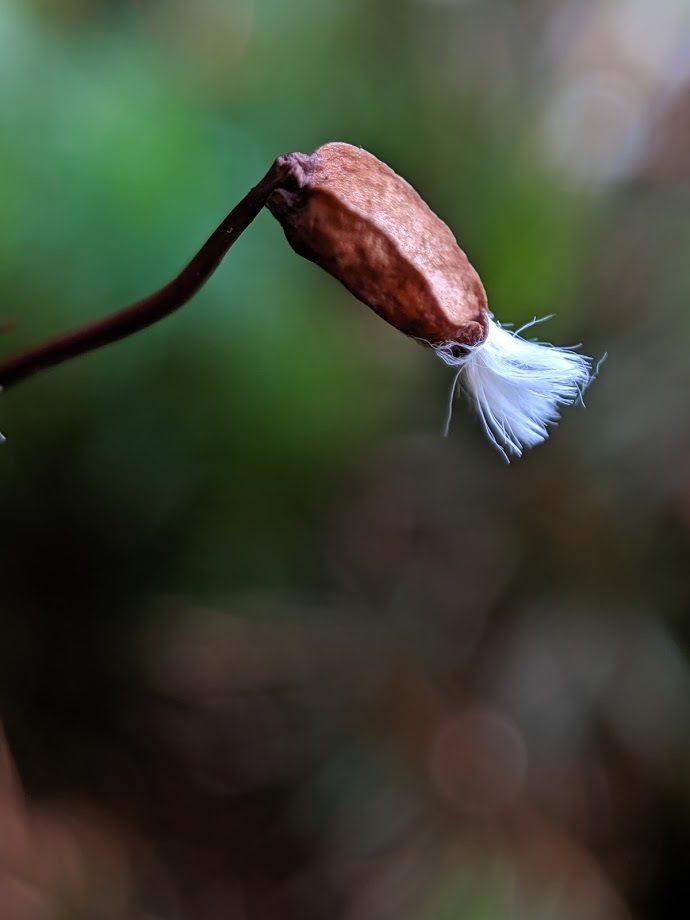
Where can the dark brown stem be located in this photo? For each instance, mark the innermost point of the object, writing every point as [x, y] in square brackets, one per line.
[286, 172]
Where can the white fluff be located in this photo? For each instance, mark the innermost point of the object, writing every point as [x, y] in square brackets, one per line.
[517, 386]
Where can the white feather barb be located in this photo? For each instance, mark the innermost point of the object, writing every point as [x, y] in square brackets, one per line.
[516, 385]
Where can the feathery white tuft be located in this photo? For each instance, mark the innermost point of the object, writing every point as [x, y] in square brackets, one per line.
[517, 386]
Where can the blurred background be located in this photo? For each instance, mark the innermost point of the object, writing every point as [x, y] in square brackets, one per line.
[271, 647]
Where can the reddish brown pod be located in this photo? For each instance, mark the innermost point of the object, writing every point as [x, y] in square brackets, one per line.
[355, 217]
[360, 221]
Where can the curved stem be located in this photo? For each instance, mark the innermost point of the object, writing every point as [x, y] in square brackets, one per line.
[286, 172]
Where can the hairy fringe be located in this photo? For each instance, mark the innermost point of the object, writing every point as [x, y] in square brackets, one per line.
[516, 385]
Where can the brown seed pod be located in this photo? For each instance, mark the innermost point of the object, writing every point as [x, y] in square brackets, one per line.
[356, 218]
[369, 228]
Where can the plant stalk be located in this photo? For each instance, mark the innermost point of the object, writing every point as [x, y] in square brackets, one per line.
[286, 173]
